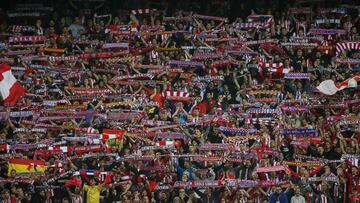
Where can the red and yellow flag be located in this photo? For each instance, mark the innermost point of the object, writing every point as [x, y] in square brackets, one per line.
[26, 166]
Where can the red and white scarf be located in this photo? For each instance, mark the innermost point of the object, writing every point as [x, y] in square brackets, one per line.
[344, 46]
[176, 95]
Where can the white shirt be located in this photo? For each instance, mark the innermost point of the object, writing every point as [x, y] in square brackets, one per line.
[298, 199]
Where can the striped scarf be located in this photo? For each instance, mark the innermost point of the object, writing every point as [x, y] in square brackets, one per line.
[115, 45]
[215, 18]
[258, 42]
[21, 28]
[297, 131]
[263, 111]
[347, 61]
[176, 95]
[327, 21]
[260, 121]
[305, 76]
[27, 39]
[249, 25]
[206, 56]
[344, 46]
[218, 147]
[177, 19]
[294, 109]
[267, 92]
[243, 131]
[186, 64]
[299, 44]
[326, 32]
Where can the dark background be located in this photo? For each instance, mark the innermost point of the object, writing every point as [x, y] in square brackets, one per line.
[229, 8]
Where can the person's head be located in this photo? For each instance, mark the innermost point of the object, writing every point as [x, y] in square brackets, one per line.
[287, 62]
[65, 30]
[248, 163]
[299, 85]
[52, 159]
[48, 194]
[283, 31]
[65, 200]
[51, 30]
[13, 173]
[339, 171]
[42, 193]
[267, 33]
[176, 199]
[5, 194]
[324, 187]
[51, 23]
[354, 171]
[327, 170]
[318, 55]
[116, 20]
[285, 39]
[163, 195]
[145, 199]
[92, 182]
[89, 23]
[317, 62]
[185, 177]
[304, 122]
[207, 191]
[38, 22]
[254, 175]
[353, 30]
[158, 89]
[192, 149]
[301, 33]
[209, 95]
[77, 190]
[13, 189]
[197, 132]
[327, 146]
[320, 150]
[299, 52]
[277, 58]
[63, 21]
[77, 20]
[182, 192]
[277, 190]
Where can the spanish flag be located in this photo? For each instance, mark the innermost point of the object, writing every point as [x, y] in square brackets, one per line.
[112, 137]
[26, 166]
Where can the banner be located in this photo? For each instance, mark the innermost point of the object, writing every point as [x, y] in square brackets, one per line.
[305, 76]
[217, 147]
[228, 182]
[242, 131]
[27, 39]
[326, 32]
[298, 131]
[270, 169]
[26, 166]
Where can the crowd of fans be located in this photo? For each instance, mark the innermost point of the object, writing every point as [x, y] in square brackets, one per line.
[155, 106]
